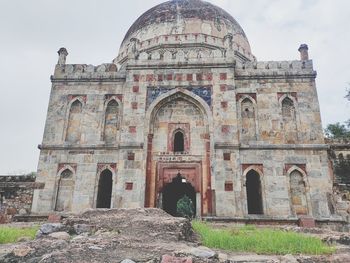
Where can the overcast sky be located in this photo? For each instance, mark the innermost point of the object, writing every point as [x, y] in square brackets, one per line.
[32, 31]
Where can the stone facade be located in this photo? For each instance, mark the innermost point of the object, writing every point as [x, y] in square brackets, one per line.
[185, 98]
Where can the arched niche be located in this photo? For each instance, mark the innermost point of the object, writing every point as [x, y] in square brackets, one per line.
[111, 121]
[289, 118]
[65, 191]
[74, 122]
[248, 118]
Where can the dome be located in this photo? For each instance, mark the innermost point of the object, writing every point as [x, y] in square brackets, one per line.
[181, 17]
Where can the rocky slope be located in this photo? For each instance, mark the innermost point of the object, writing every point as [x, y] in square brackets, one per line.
[133, 235]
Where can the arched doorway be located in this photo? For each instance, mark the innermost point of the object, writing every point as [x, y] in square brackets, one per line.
[179, 110]
[104, 193]
[254, 193]
[174, 191]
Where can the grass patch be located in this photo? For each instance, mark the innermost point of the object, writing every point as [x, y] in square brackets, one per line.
[12, 234]
[261, 241]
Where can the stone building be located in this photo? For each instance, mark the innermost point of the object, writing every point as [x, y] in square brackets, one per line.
[186, 108]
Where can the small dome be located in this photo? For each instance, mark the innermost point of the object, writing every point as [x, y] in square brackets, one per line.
[178, 17]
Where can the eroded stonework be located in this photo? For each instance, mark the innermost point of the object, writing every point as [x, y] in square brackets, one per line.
[185, 98]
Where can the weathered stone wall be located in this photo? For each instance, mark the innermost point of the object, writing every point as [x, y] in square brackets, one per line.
[339, 159]
[16, 193]
[267, 146]
[237, 115]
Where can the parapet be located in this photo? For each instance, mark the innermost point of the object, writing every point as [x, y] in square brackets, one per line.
[302, 68]
[84, 71]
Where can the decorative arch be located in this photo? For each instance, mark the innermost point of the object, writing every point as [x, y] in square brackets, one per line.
[301, 171]
[64, 189]
[74, 120]
[111, 120]
[247, 111]
[184, 94]
[299, 191]
[179, 141]
[184, 128]
[197, 167]
[288, 108]
[289, 117]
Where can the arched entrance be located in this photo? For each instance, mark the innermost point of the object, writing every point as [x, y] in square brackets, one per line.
[254, 193]
[104, 193]
[174, 191]
[178, 121]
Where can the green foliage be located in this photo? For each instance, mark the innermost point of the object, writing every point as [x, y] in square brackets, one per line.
[12, 234]
[185, 207]
[342, 169]
[261, 241]
[338, 130]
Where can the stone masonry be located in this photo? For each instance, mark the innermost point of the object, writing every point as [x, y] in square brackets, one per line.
[16, 194]
[185, 98]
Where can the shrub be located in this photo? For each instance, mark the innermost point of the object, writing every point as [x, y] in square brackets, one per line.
[185, 207]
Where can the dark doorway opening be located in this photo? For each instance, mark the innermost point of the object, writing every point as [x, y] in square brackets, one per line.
[174, 191]
[254, 193]
[104, 193]
[179, 142]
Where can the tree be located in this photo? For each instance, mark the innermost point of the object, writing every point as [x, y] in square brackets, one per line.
[338, 130]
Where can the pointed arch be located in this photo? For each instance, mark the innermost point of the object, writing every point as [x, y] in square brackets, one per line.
[65, 190]
[289, 118]
[247, 108]
[253, 185]
[288, 108]
[299, 191]
[179, 141]
[184, 94]
[156, 132]
[73, 131]
[111, 121]
[254, 193]
[248, 129]
[104, 190]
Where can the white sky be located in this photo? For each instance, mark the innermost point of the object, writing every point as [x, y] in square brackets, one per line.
[31, 32]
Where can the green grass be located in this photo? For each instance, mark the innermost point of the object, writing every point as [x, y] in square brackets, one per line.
[12, 234]
[261, 241]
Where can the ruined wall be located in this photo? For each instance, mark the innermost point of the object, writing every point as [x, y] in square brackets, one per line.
[16, 193]
[339, 160]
